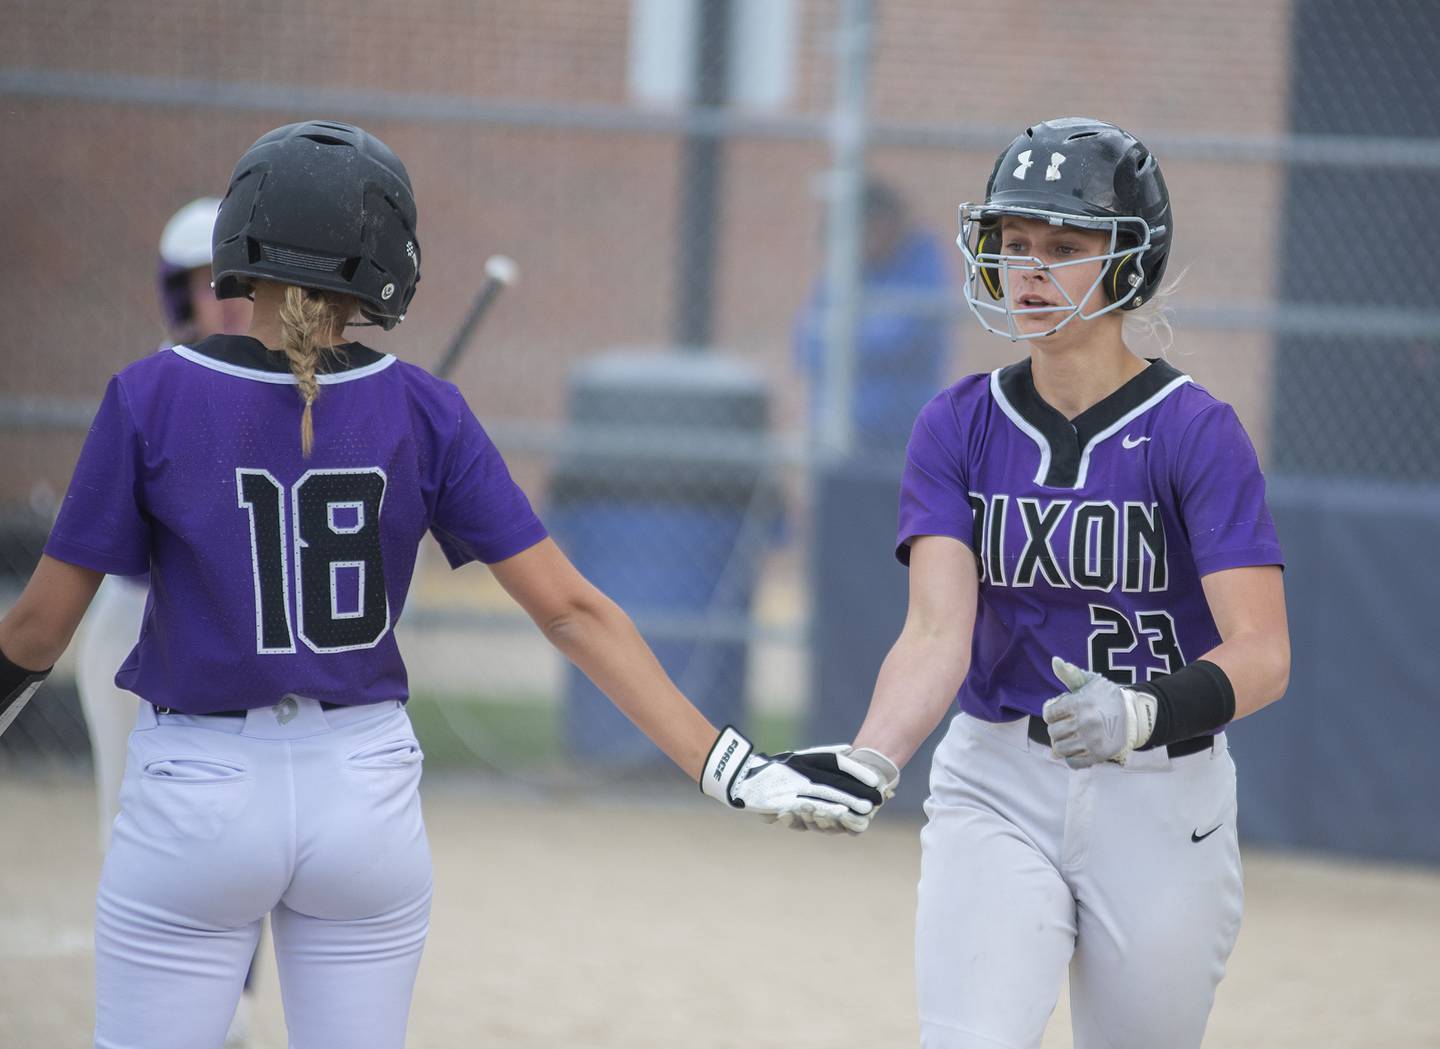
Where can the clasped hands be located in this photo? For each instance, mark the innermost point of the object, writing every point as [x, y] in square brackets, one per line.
[836, 789]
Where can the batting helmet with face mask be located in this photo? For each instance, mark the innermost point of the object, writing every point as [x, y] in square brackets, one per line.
[1079, 172]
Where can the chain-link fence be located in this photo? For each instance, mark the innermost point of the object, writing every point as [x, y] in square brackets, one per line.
[683, 183]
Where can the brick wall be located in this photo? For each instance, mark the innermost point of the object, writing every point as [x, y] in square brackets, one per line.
[591, 215]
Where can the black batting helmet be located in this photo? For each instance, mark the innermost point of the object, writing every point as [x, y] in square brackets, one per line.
[1080, 172]
[321, 205]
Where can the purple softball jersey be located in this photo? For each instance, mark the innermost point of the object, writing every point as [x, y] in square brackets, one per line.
[272, 573]
[1091, 535]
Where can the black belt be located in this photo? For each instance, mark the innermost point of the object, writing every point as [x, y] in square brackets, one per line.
[232, 713]
[1039, 732]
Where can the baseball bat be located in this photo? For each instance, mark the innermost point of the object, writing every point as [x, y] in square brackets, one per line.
[500, 272]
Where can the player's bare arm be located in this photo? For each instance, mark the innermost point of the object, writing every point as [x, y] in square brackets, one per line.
[598, 637]
[929, 660]
[37, 629]
[925, 666]
[595, 634]
[1248, 605]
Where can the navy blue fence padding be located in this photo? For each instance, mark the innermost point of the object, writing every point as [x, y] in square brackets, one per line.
[652, 510]
[614, 545]
[1349, 760]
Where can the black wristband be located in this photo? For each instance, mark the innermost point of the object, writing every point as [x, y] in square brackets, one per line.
[17, 685]
[1194, 701]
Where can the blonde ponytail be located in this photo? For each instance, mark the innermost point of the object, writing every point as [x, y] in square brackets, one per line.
[310, 323]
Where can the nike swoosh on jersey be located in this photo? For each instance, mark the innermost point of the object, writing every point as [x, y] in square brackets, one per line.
[1195, 834]
[1133, 442]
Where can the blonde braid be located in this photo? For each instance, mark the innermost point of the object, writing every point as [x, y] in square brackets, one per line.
[310, 321]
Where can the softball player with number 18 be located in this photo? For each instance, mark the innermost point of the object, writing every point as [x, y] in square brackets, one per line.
[272, 768]
[1094, 571]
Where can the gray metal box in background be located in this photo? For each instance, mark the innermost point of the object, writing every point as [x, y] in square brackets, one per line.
[1346, 761]
[661, 497]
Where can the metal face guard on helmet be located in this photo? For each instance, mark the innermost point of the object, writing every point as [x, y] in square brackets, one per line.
[1070, 171]
[987, 273]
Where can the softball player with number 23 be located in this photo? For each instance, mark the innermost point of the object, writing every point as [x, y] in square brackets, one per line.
[1095, 576]
[276, 486]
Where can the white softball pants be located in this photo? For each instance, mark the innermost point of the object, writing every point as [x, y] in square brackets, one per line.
[306, 814]
[1029, 868]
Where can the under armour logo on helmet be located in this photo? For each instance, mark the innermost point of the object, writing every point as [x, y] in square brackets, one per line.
[1052, 173]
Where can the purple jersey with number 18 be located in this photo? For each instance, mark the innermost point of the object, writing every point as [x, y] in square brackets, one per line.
[272, 573]
[1091, 535]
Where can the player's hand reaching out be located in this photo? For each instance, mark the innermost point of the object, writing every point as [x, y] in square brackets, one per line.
[844, 757]
[1096, 720]
[823, 788]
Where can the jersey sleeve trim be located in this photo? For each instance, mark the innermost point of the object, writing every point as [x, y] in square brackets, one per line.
[932, 523]
[902, 550]
[507, 546]
[1241, 557]
[73, 553]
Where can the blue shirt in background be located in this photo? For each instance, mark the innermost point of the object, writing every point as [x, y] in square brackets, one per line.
[901, 351]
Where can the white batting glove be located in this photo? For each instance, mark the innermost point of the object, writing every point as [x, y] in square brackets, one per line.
[1096, 720]
[845, 758]
[878, 763]
[821, 788]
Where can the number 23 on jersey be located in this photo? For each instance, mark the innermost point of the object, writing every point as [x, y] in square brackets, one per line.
[333, 527]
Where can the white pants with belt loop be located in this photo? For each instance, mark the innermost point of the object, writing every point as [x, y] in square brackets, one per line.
[307, 814]
[1127, 875]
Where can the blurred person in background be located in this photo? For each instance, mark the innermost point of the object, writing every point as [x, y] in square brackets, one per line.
[276, 486]
[1095, 579]
[111, 627]
[901, 349]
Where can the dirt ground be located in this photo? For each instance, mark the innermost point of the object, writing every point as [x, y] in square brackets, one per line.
[658, 919]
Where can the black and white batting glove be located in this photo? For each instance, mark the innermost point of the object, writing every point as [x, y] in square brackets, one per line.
[17, 685]
[839, 760]
[1096, 720]
[823, 789]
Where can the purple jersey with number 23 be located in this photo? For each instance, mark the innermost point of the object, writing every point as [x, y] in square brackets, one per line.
[1092, 534]
[271, 573]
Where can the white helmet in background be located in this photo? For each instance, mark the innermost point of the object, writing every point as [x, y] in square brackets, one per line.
[184, 246]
